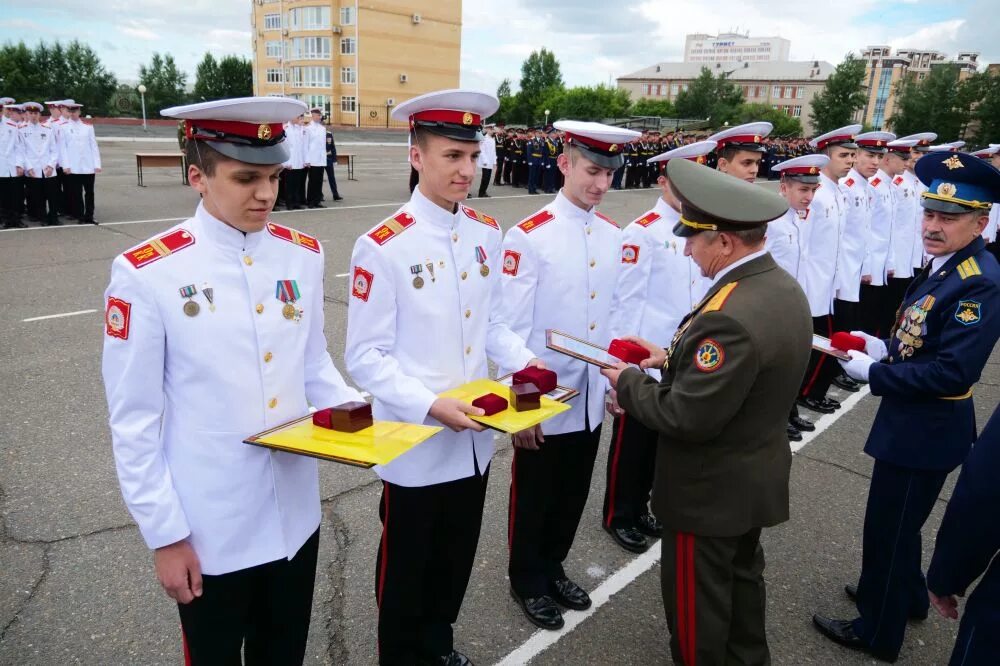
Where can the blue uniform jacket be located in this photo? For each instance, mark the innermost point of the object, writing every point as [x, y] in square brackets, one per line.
[533, 152]
[944, 334]
[970, 532]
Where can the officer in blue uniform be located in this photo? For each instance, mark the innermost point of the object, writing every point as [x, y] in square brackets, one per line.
[944, 332]
[969, 539]
[551, 152]
[534, 153]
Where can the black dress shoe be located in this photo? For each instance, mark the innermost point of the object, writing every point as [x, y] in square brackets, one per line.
[917, 615]
[569, 595]
[541, 611]
[846, 383]
[842, 632]
[830, 402]
[338, 198]
[454, 658]
[485, 196]
[649, 525]
[793, 434]
[317, 205]
[628, 538]
[801, 424]
[815, 405]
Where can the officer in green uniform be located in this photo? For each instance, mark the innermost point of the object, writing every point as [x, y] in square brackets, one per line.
[730, 377]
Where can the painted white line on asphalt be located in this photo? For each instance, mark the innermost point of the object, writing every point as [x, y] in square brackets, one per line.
[828, 420]
[543, 639]
[57, 316]
[330, 209]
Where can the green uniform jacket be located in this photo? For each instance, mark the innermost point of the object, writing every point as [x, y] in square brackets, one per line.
[721, 409]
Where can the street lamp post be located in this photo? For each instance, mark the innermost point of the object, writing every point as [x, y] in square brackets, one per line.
[546, 118]
[142, 97]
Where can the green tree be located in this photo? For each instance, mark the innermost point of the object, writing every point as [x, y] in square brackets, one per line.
[841, 97]
[236, 75]
[986, 113]
[940, 103]
[711, 97]
[784, 124]
[87, 81]
[206, 79]
[46, 72]
[584, 103]
[507, 101]
[164, 83]
[540, 76]
[653, 107]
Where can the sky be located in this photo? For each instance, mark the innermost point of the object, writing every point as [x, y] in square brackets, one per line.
[592, 44]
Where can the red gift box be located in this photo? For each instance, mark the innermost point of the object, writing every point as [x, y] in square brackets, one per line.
[630, 352]
[348, 417]
[846, 342]
[545, 380]
[525, 397]
[490, 403]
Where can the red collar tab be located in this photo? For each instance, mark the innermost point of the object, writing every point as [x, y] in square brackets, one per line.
[234, 131]
[844, 138]
[462, 118]
[611, 148]
[739, 138]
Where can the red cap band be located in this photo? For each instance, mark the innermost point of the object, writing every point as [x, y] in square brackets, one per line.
[800, 171]
[593, 143]
[266, 132]
[464, 118]
[843, 138]
[872, 143]
[740, 138]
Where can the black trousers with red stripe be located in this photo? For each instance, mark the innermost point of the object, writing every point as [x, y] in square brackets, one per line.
[878, 307]
[714, 597]
[548, 491]
[631, 460]
[425, 558]
[262, 612]
[822, 369]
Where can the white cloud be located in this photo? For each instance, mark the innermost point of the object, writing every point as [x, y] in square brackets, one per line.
[943, 36]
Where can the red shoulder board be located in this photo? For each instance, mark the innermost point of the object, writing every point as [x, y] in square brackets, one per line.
[293, 236]
[648, 219]
[160, 247]
[606, 219]
[535, 221]
[876, 182]
[480, 217]
[849, 182]
[898, 180]
[391, 228]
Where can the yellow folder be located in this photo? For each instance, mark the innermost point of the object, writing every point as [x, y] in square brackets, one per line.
[508, 420]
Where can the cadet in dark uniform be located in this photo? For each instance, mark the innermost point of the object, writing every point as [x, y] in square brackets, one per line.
[730, 377]
[944, 332]
[967, 545]
[535, 158]
[551, 152]
[501, 138]
[331, 162]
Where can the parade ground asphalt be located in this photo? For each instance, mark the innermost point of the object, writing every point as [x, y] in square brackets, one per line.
[77, 583]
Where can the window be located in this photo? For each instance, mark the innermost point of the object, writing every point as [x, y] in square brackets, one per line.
[309, 18]
[311, 48]
[272, 21]
[797, 111]
[800, 92]
[349, 104]
[645, 89]
[348, 46]
[275, 75]
[675, 88]
[347, 15]
[776, 92]
[274, 49]
[322, 101]
[312, 77]
[347, 75]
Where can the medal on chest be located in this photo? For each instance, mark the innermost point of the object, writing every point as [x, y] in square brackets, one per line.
[911, 329]
[191, 309]
[416, 270]
[287, 291]
[209, 293]
[484, 270]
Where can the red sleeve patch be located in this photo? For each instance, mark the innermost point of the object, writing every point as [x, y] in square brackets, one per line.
[709, 356]
[607, 219]
[159, 247]
[361, 283]
[391, 228]
[511, 260]
[480, 217]
[117, 317]
[535, 221]
[293, 236]
[648, 219]
[630, 254]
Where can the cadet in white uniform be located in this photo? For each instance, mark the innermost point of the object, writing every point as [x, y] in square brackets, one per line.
[40, 160]
[657, 287]
[741, 149]
[420, 322]
[560, 267]
[904, 221]
[879, 265]
[11, 167]
[922, 147]
[315, 157]
[829, 250]
[80, 160]
[295, 165]
[214, 332]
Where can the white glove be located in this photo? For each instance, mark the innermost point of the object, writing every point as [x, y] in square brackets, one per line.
[859, 366]
[874, 347]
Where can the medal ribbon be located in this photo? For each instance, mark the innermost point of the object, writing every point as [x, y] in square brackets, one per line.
[287, 290]
[416, 269]
[188, 291]
[480, 254]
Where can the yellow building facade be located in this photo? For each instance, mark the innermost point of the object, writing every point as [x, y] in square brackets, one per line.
[356, 59]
